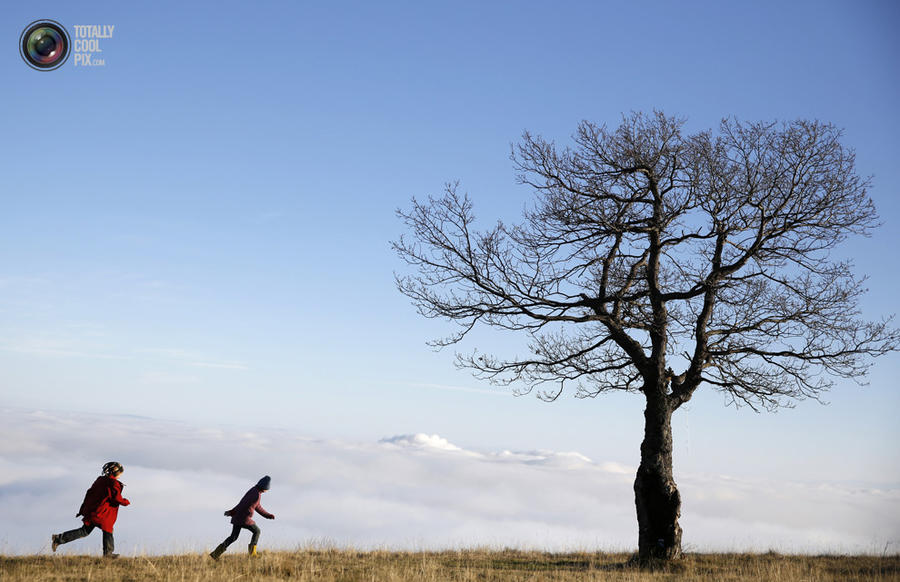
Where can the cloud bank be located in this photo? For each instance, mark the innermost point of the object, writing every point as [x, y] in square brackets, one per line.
[405, 491]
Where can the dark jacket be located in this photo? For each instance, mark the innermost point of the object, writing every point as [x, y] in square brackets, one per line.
[101, 503]
[242, 513]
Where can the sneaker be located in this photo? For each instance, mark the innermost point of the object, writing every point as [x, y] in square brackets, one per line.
[54, 542]
[111, 556]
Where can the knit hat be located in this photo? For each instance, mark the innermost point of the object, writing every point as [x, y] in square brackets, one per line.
[264, 483]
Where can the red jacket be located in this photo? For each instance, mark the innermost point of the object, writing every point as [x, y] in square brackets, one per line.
[242, 513]
[101, 503]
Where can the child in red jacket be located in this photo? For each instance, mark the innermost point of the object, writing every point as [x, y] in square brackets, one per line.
[99, 509]
[242, 517]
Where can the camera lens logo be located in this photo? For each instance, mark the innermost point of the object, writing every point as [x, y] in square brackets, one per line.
[44, 45]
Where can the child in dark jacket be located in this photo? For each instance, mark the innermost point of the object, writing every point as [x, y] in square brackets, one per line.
[99, 509]
[242, 517]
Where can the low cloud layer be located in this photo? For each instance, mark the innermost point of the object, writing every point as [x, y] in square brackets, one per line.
[405, 491]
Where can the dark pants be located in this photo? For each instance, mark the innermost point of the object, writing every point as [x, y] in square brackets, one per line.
[236, 530]
[109, 544]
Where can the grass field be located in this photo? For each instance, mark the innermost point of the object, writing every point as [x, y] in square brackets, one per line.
[463, 565]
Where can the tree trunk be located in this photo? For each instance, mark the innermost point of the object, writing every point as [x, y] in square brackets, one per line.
[655, 494]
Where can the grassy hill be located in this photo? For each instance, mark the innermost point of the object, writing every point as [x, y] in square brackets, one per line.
[462, 565]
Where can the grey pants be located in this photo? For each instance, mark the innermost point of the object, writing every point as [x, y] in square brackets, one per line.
[236, 530]
[109, 544]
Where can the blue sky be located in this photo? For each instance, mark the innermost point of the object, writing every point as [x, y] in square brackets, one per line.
[199, 230]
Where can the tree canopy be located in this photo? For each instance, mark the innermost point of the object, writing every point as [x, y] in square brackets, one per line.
[708, 251]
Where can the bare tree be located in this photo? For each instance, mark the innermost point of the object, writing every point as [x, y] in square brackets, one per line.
[656, 262]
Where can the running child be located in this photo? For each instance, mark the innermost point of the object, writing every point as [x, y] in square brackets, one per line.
[242, 518]
[99, 509]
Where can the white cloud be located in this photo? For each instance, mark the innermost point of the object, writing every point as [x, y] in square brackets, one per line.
[421, 441]
[167, 378]
[193, 359]
[494, 392]
[221, 365]
[57, 347]
[406, 491]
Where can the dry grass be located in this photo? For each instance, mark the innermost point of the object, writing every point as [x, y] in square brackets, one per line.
[332, 565]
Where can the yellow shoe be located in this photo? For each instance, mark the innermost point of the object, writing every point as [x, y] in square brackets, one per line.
[251, 549]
